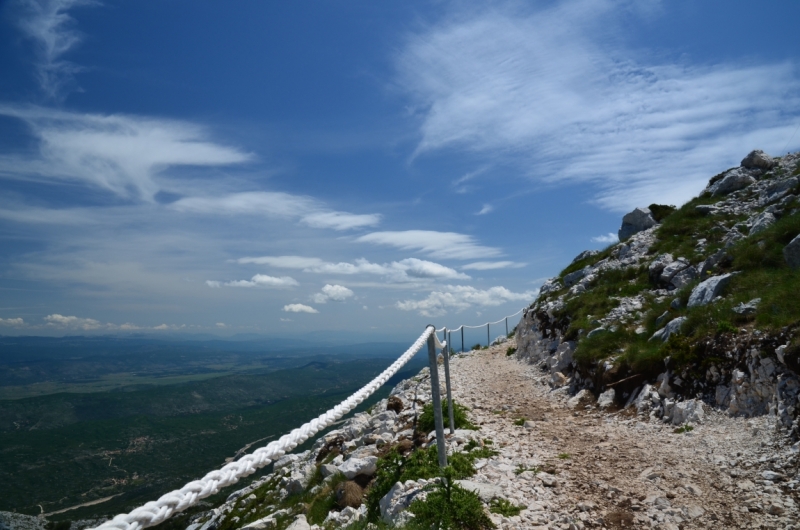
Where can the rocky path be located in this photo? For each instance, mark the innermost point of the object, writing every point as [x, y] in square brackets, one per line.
[592, 469]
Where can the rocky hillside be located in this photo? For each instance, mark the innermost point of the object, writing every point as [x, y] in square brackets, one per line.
[694, 305]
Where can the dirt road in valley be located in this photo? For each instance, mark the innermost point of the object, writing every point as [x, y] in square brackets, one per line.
[593, 469]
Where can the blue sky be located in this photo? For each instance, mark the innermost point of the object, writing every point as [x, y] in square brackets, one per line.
[369, 167]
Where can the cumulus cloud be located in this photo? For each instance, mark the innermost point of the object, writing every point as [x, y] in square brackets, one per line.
[73, 322]
[489, 265]
[450, 245]
[123, 154]
[14, 322]
[460, 297]
[334, 293]
[299, 308]
[47, 23]
[259, 280]
[545, 83]
[608, 238]
[306, 210]
[406, 270]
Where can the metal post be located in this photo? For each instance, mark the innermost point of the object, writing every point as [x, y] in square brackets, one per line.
[506, 326]
[436, 400]
[488, 340]
[446, 355]
[462, 340]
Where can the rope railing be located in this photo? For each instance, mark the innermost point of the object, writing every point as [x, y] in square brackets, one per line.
[462, 327]
[156, 512]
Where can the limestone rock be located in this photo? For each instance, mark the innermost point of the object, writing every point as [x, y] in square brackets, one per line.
[486, 492]
[749, 308]
[678, 273]
[634, 222]
[758, 159]
[791, 253]
[674, 326]
[553, 284]
[763, 221]
[581, 396]
[734, 180]
[709, 289]
[690, 411]
[299, 524]
[606, 399]
[359, 466]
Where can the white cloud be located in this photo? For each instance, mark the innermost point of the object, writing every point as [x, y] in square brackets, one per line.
[335, 293]
[486, 209]
[286, 320]
[460, 297]
[123, 154]
[489, 265]
[259, 280]
[73, 322]
[450, 245]
[608, 238]
[222, 325]
[406, 270]
[48, 24]
[307, 210]
[283, 262]
[299, 308]
[553, 88]
[14, 322]
[214, 284]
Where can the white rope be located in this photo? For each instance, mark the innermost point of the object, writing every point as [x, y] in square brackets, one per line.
[156, 512]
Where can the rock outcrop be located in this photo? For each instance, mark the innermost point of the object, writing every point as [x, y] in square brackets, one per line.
[634, 222]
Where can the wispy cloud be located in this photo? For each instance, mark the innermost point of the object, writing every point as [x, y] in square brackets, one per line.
[489, 265]
[332, 293]
[307, 210]
[87, 324]
[608, 238]
[461, 297]
[486, 209]
[123, 154]
[450, 245]
[549, 87]
[259, 280]
[49, 25]
[406, 270]
[299, 308]
[460, 184]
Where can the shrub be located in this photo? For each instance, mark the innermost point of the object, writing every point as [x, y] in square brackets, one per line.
[449, 506]
[511, 351]
[519, 422]
[660, 211]
[476, 346]
[504, 507]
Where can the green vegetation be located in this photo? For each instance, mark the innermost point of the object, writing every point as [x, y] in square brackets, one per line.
[426, 424]
[511, 351]
[661, 211]
[564, 456]
[476, 346]
[504, 507]
[450, 507]
[519, 422]
[522, 469]
[683, 429]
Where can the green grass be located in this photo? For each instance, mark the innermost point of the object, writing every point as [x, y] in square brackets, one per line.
[450, 507]
[510, 351]
[519, 422]
[425, 422]
[504, 507]
[683, 429]
[564, 456]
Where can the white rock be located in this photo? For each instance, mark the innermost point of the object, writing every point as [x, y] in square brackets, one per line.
[486, 492]
[636, 221]
[674, 326]
[690, 411]
[606, 399]
[709, 289]
[575, 400]
[791, 253]
[299, 524]
[758, 159]
[359, 466]
[734, 180]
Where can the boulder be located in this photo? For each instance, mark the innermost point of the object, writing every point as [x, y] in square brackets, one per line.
[674, 326]
[576, 400]
[763, 221]
[709, 289]
[657, 266]
[706, 209]
[606, 399]
[791, 253]
[678, 273]
[299, 524]
[749, 308]
[553, 284]
[734, 180]
[574, 277]
[690, 411]
[758, 159]
[780, 189]
[359, 466]
[634, 222]
[486, 492]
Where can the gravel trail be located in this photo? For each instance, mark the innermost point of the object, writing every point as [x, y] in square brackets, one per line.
[593, 469]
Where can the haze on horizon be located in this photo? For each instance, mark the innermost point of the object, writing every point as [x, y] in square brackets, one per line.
[369, 168]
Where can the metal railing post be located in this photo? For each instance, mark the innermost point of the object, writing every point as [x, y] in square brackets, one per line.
[462, 340]
[436, 399]
[488, 340]
[446, 355]
[506, 326]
